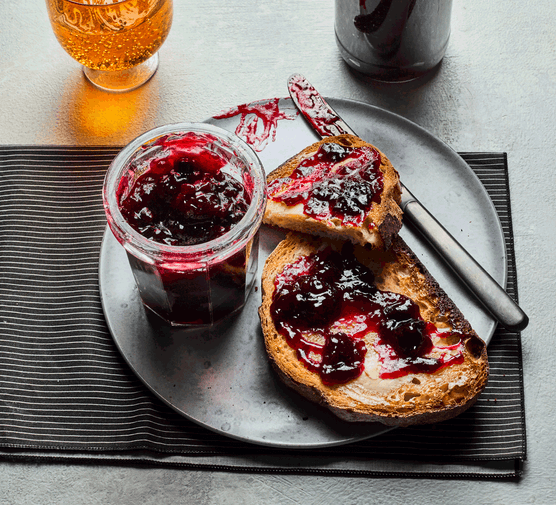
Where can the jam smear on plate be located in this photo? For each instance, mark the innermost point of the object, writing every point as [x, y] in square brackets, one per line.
[259, 121]
[326, 302]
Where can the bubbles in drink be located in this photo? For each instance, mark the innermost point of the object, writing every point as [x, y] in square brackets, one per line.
[109, 34]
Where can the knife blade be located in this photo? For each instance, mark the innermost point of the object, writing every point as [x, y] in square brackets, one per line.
[326, 122]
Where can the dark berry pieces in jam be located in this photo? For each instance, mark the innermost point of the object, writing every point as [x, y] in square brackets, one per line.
[184, 198]
[338, 181]
[325, 303]
[343, 359]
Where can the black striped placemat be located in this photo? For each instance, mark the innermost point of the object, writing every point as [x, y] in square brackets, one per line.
[66, 393]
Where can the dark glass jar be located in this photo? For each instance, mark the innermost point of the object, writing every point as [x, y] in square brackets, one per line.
[393, 40]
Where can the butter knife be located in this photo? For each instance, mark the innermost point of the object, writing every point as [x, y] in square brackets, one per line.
[326, 122]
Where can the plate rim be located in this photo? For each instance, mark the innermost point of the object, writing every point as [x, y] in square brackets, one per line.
[334, 102]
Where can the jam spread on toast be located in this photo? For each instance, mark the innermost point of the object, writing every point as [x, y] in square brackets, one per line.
[337, 182]
[184, 198]
[326, 302]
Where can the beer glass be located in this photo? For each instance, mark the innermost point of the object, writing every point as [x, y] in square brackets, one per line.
[116, 41]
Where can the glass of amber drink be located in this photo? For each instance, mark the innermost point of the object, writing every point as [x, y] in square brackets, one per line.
[116, 41]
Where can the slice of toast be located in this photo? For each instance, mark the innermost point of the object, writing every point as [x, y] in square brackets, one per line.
[329, 198]
[397, 383]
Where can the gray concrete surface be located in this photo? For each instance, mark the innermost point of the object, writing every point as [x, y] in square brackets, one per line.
[495, 91]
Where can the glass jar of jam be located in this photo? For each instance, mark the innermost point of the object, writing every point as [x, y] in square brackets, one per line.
[186, 202]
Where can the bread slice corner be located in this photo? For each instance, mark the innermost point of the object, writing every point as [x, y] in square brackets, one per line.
[381, 224]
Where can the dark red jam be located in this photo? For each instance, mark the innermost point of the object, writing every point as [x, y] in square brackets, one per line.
[184, 198]
[325, 303]
[338, 181]
[315, 109]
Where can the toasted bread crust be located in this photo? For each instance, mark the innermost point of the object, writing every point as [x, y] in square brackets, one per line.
[381, 224]
[414, 399]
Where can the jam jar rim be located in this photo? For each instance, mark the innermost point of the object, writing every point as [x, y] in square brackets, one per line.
[225, 244]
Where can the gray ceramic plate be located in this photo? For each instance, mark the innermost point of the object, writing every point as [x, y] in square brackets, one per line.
[221, 379]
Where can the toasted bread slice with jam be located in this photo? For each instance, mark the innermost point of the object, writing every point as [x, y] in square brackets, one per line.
[340, 187]
[368, 333]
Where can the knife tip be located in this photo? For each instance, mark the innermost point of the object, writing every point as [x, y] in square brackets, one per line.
[295, 76]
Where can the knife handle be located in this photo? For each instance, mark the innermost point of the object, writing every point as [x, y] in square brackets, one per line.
[501, 306]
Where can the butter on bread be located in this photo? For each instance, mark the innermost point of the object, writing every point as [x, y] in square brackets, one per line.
[381, 224]
[416, 398]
